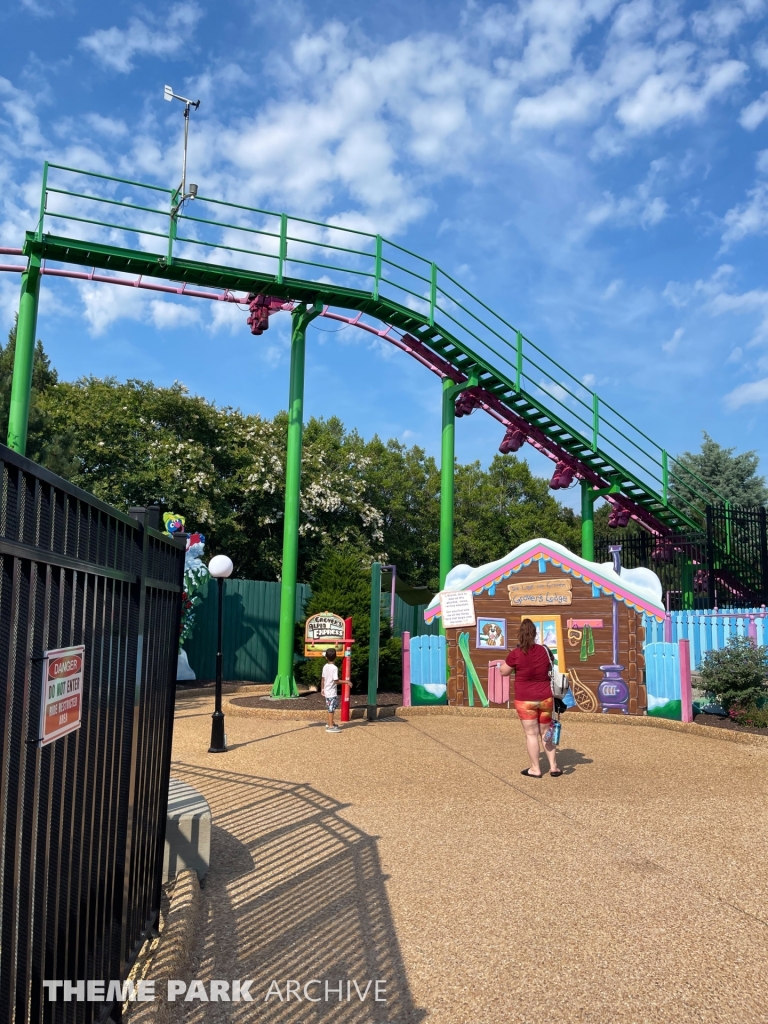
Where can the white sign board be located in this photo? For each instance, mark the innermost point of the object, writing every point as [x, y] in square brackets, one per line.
[61, 703]
[458, 608]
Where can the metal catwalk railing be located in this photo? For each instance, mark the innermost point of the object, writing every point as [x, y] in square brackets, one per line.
[123, 225]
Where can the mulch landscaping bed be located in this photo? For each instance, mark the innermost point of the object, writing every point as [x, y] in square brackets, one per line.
[315, 701]
[727, 723]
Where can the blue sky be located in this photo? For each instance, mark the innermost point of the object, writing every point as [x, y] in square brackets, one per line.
[596, 171]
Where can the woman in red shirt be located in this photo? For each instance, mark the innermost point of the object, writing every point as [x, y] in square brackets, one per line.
[533, 696]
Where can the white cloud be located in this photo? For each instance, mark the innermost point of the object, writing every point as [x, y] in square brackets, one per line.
[108, 126]
[749, 218]
[748, 394]
[639, 208]
[676, 95]
[754, 113]
[115, 48]
[167, 315]
[226, 316]
[105, 304]
[721, 20]
[674, 341]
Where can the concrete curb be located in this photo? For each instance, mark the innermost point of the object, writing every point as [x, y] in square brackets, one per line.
[174, 955]
[646, 722]
[275, 714]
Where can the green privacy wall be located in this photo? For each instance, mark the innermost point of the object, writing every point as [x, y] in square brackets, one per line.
[251, 625]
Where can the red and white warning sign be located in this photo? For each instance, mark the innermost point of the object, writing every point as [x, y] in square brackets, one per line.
[62, 697]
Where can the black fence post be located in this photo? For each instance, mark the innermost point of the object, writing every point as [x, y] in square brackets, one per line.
[141, 516]
[711, 583]
[763, 553]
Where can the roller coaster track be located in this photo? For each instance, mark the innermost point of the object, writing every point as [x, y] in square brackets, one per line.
[123, 227]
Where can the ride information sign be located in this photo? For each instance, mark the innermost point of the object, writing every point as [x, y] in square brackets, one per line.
[321, 632]
[62, 698]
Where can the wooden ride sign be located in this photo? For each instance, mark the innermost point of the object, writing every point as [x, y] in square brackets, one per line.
[322, 631]
[540, 593]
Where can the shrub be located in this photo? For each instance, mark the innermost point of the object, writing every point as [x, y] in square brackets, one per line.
[738, 673]
[750, 715]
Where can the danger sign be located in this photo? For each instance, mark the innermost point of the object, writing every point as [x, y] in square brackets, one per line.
[62, 696]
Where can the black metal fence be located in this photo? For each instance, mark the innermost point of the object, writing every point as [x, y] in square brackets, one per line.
[82, 819]
[724, 567]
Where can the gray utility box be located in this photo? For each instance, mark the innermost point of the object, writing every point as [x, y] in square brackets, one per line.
[187, 831]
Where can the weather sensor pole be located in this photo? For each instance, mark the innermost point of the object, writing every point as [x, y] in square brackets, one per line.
[169, 94]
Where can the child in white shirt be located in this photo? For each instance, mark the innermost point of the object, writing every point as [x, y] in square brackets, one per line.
[330, 679]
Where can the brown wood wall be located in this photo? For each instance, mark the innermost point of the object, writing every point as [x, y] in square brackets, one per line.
[584, 606]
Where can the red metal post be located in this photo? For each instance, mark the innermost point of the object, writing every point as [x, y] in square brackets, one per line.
[346, 672]
[686, 697]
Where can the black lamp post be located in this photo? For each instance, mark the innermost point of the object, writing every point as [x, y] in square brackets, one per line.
[220, 567]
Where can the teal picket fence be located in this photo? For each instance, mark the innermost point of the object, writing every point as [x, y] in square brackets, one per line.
[706, 630]
[251, 627]
[662, 679]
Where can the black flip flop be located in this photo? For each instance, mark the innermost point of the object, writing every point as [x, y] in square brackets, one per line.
[530, 774]
[557, 774]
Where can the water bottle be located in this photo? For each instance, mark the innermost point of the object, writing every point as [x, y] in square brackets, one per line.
[554, 731]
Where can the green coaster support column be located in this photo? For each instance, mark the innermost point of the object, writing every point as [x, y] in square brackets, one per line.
[285, 683]
[588, 498]
[447, 462]
[373, 647]
[21, 389]
[587, 522]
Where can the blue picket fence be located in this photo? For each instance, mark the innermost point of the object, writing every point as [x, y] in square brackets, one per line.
[662, 671]
[428, 678]
[706, 630]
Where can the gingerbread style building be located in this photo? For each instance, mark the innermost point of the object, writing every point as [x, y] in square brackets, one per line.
[590, 616]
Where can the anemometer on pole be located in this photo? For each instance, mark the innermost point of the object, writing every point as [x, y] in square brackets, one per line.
[182, 194]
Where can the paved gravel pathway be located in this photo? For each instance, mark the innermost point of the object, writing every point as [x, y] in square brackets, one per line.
[631, 889]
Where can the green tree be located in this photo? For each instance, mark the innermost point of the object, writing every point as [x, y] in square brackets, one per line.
[733, 476]
[404, 484]
[45, 445]
[342, 584]
[503, 507]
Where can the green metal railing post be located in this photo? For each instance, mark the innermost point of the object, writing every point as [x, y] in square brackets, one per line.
[688, 596]
[518, 361]
[373, 643]
[587, 522]
[432, 294]
[377, 268]
[595, 421]
[283, 247]
[285, 683]
[665, 476]
[447, 458]
[43, 203]
[23, 362]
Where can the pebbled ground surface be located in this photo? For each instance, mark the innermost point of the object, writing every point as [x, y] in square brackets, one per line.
[632, 890]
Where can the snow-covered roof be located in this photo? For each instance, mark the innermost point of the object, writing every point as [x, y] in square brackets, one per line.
[638, 588]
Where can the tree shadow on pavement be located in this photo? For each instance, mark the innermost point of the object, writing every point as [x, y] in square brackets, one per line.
[295, 893]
